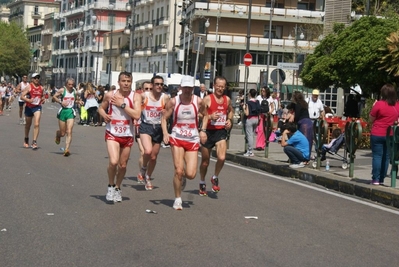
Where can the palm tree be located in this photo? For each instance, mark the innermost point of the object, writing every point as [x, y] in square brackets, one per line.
[390, 61]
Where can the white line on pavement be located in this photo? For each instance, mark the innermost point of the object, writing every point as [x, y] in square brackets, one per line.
[325, 190]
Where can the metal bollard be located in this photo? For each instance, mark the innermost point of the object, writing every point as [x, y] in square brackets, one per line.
[393, 148]
[353, 138]
[320, 132]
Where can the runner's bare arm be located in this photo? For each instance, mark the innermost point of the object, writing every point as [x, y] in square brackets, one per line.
[57, 95]
[230, 114]
[18, 89]
[204, 111]
[23, 95]
[164, 119]
[103, 107]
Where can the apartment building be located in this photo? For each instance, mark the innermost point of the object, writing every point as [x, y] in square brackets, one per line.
[4, 13]
[30, 13]
[88, 39]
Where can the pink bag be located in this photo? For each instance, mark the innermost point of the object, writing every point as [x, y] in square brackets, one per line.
[272, 137]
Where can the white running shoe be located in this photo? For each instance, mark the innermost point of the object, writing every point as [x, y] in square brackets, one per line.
[148, 184]
[118, 195]
[178, 205]
[249, 154]
[110, 193]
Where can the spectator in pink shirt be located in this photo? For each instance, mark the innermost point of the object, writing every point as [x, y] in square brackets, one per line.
[382, 115]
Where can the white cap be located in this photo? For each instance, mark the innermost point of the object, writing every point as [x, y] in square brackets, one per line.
[356, 90]
[187, 81]
[35, 74]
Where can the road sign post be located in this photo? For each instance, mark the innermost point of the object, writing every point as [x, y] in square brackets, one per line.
[247, 59]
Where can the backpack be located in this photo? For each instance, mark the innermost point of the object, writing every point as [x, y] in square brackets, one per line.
[264, 106]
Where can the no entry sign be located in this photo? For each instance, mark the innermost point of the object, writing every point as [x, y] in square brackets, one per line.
[247, 59]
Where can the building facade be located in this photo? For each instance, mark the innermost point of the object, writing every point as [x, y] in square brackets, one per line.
[87, 40]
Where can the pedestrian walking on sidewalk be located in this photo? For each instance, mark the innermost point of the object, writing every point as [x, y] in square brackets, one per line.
[251, 110]
[266, 108]
[383, 114]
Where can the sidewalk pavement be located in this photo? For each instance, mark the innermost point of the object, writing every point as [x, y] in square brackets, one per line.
[336, 178]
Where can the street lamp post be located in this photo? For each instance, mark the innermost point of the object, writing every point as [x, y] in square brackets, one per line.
[111, 7]
[198, 49]
[131, 7]
[295, 72]
[216, 41]
[98, 54]
[247, 49]
[81, 23]
[174, 40]
[188, 49]
[270, 40]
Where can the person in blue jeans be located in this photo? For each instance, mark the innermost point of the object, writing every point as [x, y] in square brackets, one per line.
[296, 145]
[384, 113]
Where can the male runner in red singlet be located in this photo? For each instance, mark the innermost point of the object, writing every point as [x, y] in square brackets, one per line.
[185, 138]
[216, 123]
[123, 105]
[33, 109]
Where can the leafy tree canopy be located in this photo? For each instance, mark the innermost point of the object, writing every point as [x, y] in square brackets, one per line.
[14, 50]
[351, 55]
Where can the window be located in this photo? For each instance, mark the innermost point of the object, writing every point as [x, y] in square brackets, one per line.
[329, 98]
[111, 19]
[276, 33]
[276, 5]
[35, 22]
[36, 10]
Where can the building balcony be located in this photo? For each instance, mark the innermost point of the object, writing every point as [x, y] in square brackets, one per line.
[148, 26]
[47, 31]
[16, 14]
[58, 70]
[36, 15]
[139, 53]
[118, 6]
[257, 12]
[238, 41]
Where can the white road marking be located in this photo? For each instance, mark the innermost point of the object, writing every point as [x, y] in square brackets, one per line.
[324, 190]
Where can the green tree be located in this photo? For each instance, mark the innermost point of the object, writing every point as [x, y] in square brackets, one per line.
[14, 50]
[350, 55]
[390, 62]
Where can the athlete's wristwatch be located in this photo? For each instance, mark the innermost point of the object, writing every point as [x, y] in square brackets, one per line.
[203, 130]
[123, 106]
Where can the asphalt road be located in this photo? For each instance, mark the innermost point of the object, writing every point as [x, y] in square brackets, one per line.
[54, 213]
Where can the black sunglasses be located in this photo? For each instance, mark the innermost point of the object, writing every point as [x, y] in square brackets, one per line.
[158, 84]
[36, 78]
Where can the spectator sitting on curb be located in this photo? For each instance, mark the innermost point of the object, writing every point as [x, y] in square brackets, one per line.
[296, 146]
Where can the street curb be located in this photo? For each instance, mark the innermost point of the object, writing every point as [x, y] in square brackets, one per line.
[381, 194]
